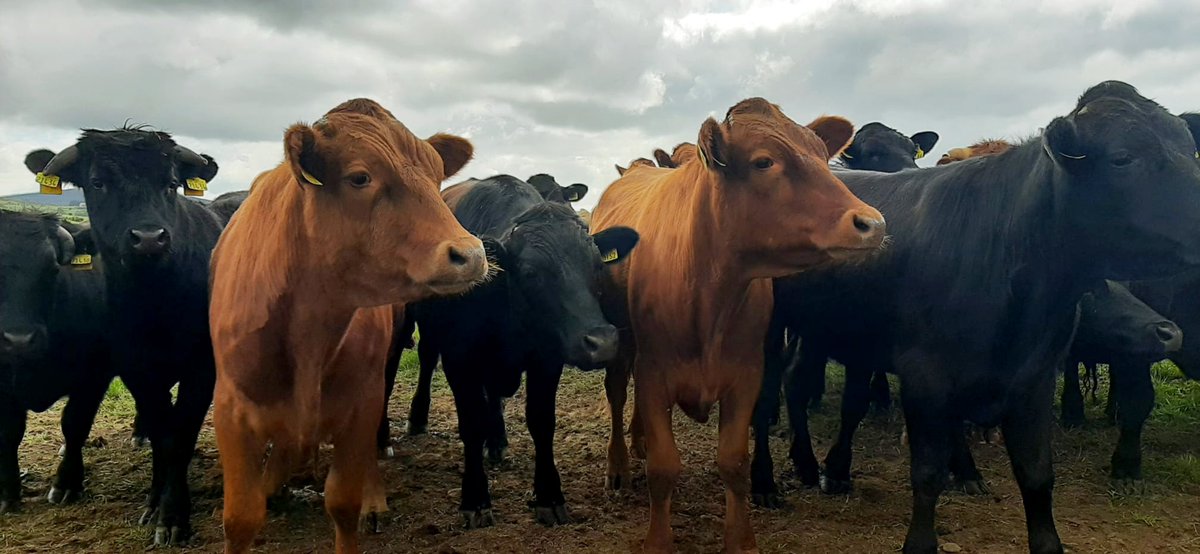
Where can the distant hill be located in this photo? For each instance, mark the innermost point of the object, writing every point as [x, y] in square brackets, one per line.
[71, 197]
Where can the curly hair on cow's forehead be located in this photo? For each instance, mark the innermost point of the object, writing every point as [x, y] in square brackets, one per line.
[129, 136]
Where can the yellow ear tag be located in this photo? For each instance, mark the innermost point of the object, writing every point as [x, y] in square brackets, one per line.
[920, 154]
[48, 184]
[308, 177]
[195, 187]
[610, 256]
[82, 262]
[703, 158]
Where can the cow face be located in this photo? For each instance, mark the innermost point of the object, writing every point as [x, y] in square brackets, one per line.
[877, 147]
[32, 249]
[130, 178]
[554, 192]
[372, 184]
[1132, 189]
[1112, 318]
[553, 270]
[783, 209]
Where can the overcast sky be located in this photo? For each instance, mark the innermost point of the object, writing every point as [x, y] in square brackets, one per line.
[567, 87]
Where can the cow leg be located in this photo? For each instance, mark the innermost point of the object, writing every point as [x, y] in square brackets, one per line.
[804, 461]
[348, 474]
[616, 388]
[856, 401]
[881, 392]
[470, 401]
[195, 397]
[383, 437]
[662, 461]
[733, 457]
[1072, 397]
[1132, 383]
[549, 504]
[962, 464]
[139, 438]
[814, 374]
[418, 412]
[153, 402]
[77, 419]
[245, 506]
[496, 441]
[12, 431]
[929, 426]
[1027, 437]
[763, 489]
[1110, 403]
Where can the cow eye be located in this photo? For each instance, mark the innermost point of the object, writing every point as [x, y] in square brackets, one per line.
[763, 163]
[359, 180]
[1122, 160]
[97, 183]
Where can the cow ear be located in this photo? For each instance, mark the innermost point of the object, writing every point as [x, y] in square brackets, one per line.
[36, 161]
[1193, 122]
[455, 152]
[712, 145]
[620, 170]
[615, 243]
[925, 141]
[209, 170]
[1061, 142]
[300, 149]
[663, 159]
[836, 132]
[575, 192]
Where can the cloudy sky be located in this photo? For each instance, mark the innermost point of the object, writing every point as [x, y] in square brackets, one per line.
[567, 88]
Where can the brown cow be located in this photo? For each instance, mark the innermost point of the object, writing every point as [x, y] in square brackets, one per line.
[758, 201]
[302, 283]
[981, 148]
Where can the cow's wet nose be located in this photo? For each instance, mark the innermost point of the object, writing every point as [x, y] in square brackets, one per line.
[868, 224]
[20, 341]
[461, 263]
[599, 345]
[149, 240]
[1170, 335]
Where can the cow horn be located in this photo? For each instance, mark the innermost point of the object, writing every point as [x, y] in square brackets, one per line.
[66, 245]
[188, 157]
[62, 160]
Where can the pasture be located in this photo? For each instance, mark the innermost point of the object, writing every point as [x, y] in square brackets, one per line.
[423, 480]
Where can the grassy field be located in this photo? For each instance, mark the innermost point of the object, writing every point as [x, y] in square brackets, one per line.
[423, 488]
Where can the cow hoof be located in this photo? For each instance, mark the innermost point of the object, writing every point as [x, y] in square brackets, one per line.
[833, 486]
[148, 516]
[1128, 486]
[175, 536]
[413, 429]
[371, 523]
[497, 456]
[638, 449]
[10, 506]
[139, 442]
[62, 496]
[478, 519]
[768, 500]
[973, 487]
[617, 481]
[551, 515]
[387, 453]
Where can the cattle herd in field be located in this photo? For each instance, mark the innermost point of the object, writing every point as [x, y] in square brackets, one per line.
[728, 271]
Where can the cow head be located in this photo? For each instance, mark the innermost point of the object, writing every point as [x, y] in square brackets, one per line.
[783, 209]
[33, 248]
[554, 192]
[1112, 318]
[986, 147]
[367, 180]
[553, 270]
[130, 178]
[877, 147]
[1130, 183]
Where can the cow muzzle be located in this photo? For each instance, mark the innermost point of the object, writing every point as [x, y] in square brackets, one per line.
[1170, 335]
[22, 341]
[149, 240]
[595, 348]
[461, 263]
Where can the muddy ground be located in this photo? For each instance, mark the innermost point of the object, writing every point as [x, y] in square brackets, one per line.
[423, 486]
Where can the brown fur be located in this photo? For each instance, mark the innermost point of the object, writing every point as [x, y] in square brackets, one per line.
[302, 283]
[695, 297]
[982, 148]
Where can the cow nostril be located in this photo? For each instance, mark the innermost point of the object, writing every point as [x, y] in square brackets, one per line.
[862, 224]
[18, 340]
[457, 258]
[1165, 333]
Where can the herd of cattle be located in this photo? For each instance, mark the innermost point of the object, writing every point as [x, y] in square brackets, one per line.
[727, 271]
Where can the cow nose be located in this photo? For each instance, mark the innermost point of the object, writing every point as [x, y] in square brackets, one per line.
[600, 344]
[868, 224]
[1170, 335]
[154, 240]
[467, 257]
[19, 341]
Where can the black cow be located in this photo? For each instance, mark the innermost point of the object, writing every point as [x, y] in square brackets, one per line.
[974, 302]
[877, 147]
[156, 245]
[52, 344]
[226, 204]
[418, 412]
[537, 313]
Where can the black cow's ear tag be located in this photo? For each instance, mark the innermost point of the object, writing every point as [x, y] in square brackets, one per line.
[195, 187]
[48, 184]
[610, 256]
[81, 262]
[920, 154]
